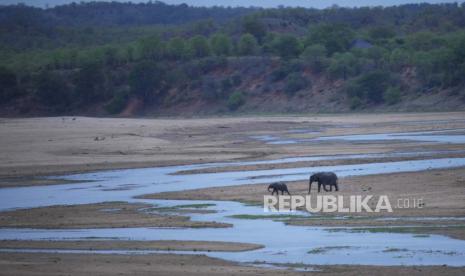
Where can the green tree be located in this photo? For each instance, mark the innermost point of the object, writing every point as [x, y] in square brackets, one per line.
[315, 56]
[343, 65]
[198, 46]
[376, 54]
[399, 58]
[381, 32]
[248, 45]
[254, 26]
[335, 37]
[90, 83]
[424, 41]
[151, 47]
[424, 64]
[287, 46]
[176, 49]
[8, 85]
[220, 44]
[146, 80]
[53, 91]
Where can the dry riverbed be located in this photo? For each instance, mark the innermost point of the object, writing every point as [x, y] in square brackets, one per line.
[35, 147]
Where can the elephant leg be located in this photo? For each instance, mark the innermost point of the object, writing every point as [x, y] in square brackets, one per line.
[309, 187]
[336, 187]
[319, 187]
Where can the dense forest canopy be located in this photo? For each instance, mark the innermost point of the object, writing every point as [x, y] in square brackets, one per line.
[108, 54]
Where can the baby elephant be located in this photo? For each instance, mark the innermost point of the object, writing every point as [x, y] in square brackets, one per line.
[278, 186]
[324, 178]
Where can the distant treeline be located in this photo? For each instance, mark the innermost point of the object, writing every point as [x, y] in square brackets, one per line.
[110, 52]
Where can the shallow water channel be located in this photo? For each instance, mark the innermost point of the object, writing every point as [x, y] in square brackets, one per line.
[454, 136]
[283, 244]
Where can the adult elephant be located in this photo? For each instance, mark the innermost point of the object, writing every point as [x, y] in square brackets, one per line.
[323, 178]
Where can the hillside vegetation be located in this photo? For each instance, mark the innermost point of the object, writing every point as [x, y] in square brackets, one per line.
[157, 59]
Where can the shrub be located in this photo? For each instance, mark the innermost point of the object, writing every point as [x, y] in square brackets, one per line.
[285, 69]
[236, 79]
[226, 84]
[392, 95]
[118, 102]
[235, 100]
[355, 102]
[211, 89]
[369, 87]
[295, 82]
[279, 74]
[210, 63]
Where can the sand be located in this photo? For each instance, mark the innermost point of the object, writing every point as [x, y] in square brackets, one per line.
[130, 245]
[102, 215]
[173, 265]
[442, 191]
[33, 147]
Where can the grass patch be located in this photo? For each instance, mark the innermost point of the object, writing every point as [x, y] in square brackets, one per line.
[190, 206]
[245, 216]
[392, 249]
[321, 250]
[397, 229]
[177, 207]
[251, 203]
[421, 236]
